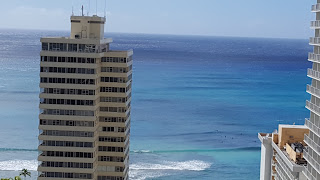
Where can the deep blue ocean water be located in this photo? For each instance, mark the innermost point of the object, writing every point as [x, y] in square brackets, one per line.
[198, 102]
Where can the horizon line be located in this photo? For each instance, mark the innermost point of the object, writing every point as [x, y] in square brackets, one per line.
[200, 35]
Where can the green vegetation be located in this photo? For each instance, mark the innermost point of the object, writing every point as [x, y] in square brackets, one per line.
[24, 172]
[15, 178]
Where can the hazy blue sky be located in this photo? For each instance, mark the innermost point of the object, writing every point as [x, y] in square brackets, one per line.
[249, 18]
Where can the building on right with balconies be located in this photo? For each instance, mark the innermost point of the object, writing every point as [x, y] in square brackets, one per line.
[312, 139]
[284, 155]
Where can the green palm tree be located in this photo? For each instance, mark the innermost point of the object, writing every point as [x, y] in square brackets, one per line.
[25, 173]
[17, 178]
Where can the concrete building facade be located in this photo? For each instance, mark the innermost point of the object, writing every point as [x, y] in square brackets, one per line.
[85, 100]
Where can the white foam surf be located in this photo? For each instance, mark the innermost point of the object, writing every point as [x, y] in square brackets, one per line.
[17, 165]
[194, 165]
[142, 151]
[142, 171]
[139, 171]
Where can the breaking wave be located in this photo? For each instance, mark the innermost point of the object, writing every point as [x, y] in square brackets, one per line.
[194, 165]
[139, 170]
[142, 171]
[17, 165]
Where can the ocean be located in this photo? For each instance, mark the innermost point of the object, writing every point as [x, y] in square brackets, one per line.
[198, 102]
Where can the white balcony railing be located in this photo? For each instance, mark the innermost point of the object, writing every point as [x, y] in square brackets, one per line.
[310, 160]
[312, 107]
[314, 57]
[281, 174]
[314, 41]
[286, 170]
[308, 174]
[312, 126]
[312, 144]
[313, 74]
[315, 24]
[315, 8]
[312, 90]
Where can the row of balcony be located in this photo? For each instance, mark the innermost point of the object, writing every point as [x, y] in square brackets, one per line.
[312, 145]
[314, 41]
[314, 57]
[43, 176]
[311, 161]
[285, 168]
[315, 24]
[313, 74]
[43, 168]
[313, 127]
[315, 8]
[313, 90]
[280, 173]
[313, 107]
[308, 174]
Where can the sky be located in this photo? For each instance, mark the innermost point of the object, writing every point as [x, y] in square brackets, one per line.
[241, 18]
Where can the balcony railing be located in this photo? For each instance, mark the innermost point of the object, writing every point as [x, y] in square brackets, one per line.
[280, 173]
[285, 168]
[314, 41]
[314, 57]
[311, 161]
[313, 74]
[312, 90]
[312, 126]
[312, 107]
[315, 24]
[315, 8]
[312, 144]
[308, 174]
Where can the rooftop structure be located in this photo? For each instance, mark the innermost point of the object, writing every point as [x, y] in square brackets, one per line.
[85, 104]
[282, 154]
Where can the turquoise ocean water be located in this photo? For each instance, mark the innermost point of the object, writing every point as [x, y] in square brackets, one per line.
[198, 102]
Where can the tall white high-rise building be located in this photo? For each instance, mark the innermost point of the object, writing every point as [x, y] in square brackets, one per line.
[85, 105]
[311, 140]
[312, 156]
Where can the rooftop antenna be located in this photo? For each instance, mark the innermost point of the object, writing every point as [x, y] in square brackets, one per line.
[105, 7]
[72, 9]
[82, 10]
[275, 131]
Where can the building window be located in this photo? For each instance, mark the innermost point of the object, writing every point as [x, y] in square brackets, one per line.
[68, 112]
[67, 81]
[72, 47]
[45, 46]
[67, 133]
[57, 47]
[114, 59]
